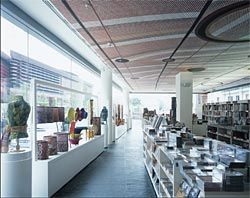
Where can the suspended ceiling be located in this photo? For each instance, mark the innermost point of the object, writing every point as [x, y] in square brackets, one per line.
[147, 31]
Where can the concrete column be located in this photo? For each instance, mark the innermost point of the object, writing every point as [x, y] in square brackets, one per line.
[126, 107]
[106, 100]
[184, 91]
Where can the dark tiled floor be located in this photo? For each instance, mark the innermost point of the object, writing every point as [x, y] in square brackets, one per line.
[117, 172]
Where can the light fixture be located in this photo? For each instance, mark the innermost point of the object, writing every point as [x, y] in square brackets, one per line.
[134, 78]
[196, 69]
[186, 84]
[86, 5]
[206, 78]
[168, 60]
[109, 44]
[121, 60]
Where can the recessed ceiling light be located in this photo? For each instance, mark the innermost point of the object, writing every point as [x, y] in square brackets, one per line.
[109, 44]
[134, 78]
[196, 69]
[121, 60]
[168, 60]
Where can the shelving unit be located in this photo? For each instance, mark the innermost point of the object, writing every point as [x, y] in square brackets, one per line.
[229, 122]
[161, 166]
[170, 169]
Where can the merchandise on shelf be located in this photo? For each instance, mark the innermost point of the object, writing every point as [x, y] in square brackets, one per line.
[194, 171]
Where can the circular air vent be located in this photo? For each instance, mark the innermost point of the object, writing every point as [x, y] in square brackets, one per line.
[228, 24]
[196, 69]
[121, 60]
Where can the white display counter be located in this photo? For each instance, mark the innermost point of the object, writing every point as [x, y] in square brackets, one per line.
[48, 176]
[120, 130]
[16, 174]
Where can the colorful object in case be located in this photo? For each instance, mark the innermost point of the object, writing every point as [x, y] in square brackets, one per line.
[71, 114]
[62, 141]
[43, 150]
[52, 142]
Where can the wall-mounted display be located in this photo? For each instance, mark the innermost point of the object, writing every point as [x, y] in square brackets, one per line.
[91, 103]
[119, 115]
[97, 125]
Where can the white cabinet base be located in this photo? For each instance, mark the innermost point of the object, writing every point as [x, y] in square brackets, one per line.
[120, 130]
[16, 174]
[48, 176]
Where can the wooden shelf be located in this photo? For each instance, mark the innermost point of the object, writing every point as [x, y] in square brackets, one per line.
[223, 135]
[236, 110]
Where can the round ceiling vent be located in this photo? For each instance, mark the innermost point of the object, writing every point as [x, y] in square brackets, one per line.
[227, 24]
[196, 69]
[168, 60]
[121, 60]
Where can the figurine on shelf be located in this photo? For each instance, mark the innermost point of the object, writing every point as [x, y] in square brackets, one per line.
[17, 115]
[104, 114]
[91, 103]
[81, 114]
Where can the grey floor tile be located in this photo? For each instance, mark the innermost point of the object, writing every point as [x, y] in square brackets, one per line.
[118, 172]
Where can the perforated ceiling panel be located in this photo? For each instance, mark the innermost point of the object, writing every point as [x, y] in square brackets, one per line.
[145, 32]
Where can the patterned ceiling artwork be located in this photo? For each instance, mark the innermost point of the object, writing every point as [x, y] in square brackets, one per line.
[147, 31]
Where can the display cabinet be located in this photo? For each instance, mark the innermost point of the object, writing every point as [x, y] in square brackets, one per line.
[48, 175]
[199, 170]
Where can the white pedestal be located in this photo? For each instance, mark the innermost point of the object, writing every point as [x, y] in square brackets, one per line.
[16, 174]
[48, 176]
[104, 129]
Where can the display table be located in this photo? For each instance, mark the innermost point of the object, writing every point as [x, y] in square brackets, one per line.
[16, 174]
[48, 176]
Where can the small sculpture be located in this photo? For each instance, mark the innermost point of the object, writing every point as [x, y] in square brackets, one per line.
[17, 115]
[104, 114]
